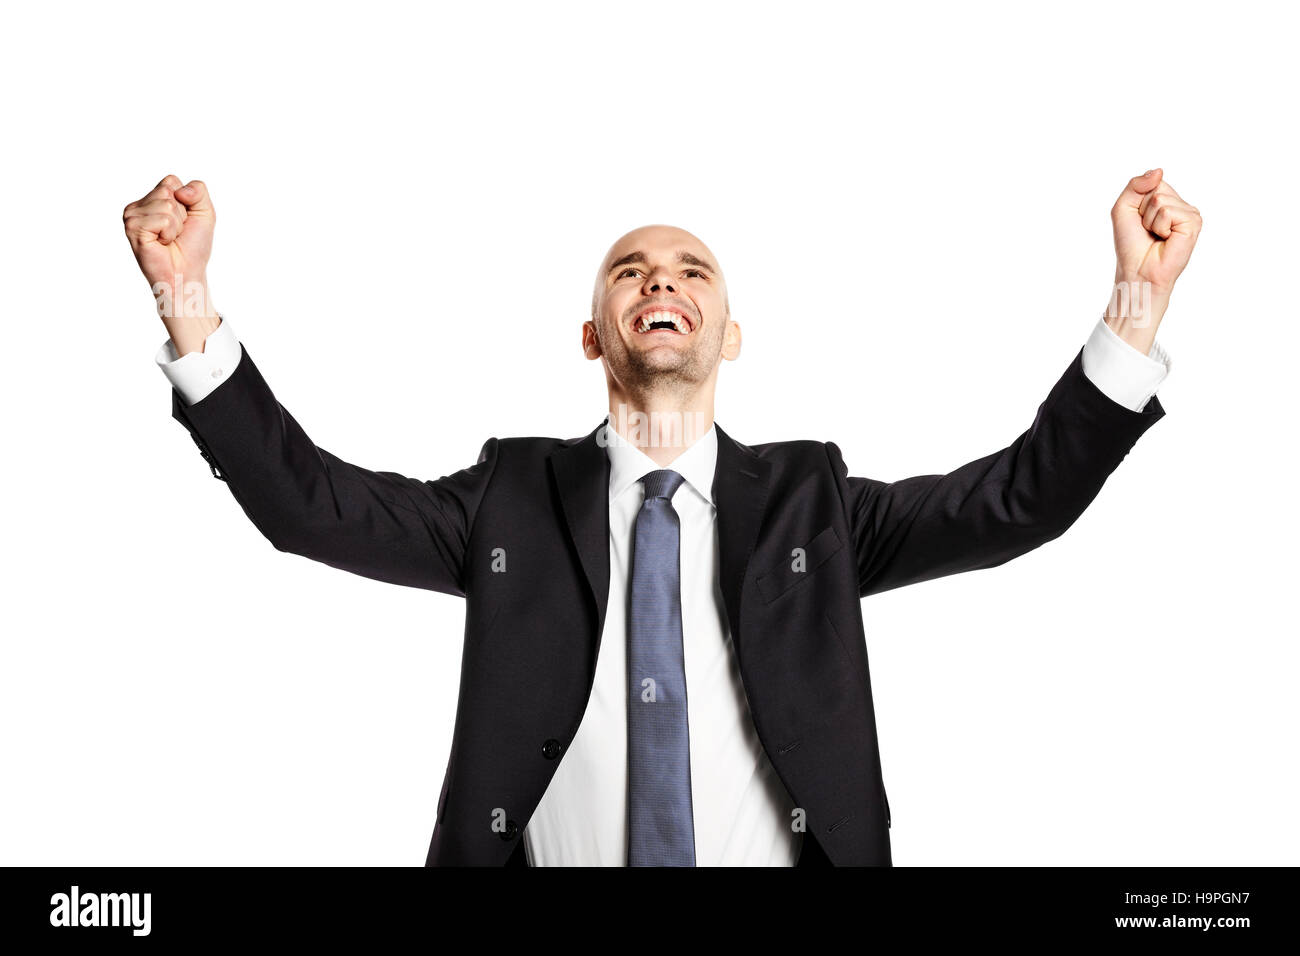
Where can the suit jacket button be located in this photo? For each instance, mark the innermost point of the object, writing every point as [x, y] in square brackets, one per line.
[511, 831]
[551, 749]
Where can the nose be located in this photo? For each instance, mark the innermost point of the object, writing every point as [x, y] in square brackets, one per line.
[660, 279]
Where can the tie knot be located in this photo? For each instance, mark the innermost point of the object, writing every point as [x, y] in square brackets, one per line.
[662, 483]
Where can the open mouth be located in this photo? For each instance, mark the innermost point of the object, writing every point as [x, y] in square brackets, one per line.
[662, 320]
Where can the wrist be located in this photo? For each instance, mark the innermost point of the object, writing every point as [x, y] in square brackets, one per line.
[1134, 311]
[189, 333]
[183, 294]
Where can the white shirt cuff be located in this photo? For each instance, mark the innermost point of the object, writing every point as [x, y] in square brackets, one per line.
[1121, 372]
[196, 374]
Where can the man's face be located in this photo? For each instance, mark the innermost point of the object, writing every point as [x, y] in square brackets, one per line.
[660, 313]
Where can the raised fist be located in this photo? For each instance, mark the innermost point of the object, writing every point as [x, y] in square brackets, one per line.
[170, 231]
[1155, 232]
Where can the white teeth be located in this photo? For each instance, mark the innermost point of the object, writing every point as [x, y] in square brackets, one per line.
[644, 322]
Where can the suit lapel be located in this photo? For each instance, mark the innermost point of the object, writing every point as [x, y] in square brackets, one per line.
[740, 489]
[581, 473]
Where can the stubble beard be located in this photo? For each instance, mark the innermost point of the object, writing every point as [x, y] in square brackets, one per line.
[645, 373]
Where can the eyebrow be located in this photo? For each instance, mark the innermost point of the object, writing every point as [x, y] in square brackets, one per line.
[683, 257]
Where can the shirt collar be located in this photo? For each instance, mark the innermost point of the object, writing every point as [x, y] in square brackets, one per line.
[629, 464]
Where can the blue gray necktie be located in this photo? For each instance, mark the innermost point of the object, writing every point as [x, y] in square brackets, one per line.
[661, 825]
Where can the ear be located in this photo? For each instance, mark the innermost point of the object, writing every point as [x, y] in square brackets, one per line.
[731, 341]
[590, 343]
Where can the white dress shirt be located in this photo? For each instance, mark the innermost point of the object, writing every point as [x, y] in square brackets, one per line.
[742, 812]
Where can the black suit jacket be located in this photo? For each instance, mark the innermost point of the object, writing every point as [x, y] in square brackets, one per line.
[532, 633]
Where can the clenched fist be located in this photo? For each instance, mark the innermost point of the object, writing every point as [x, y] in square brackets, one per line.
[170, 231]
[1155, 232]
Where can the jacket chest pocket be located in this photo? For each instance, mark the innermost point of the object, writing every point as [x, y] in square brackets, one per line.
[797, 567]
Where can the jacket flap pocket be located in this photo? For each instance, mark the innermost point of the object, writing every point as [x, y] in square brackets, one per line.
[796, 567]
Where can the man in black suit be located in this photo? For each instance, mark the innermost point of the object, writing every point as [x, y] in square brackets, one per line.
[605, 575]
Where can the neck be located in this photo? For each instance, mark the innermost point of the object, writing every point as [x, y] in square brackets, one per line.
[662, 425]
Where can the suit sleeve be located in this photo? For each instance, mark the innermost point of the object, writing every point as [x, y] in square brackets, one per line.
[1000, 506]
[309, 502]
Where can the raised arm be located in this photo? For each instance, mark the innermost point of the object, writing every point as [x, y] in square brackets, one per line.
[997, 507]
[308, 501]
[302, 498]
[1000, 506]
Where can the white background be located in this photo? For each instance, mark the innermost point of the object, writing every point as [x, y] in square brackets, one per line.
[912, 210]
